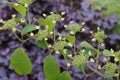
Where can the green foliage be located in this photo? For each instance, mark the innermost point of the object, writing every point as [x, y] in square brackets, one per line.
[51, 68]
[53, 17]
[63, 44]
[112, 6]
[70, 38]
[42, 34]
[20, 62]
[28, 29]
[86, 45]
[117, 55]
[64, 76]
[26, 2]
[79, 59]
[74, 27]
[19, 8]
[100, 36]
[46, 23]
[110, 69]
[11, 23]
[60, 45]
[107, 53]
[41, 43]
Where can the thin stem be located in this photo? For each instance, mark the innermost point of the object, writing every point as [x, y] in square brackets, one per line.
[92, 69]
[74, 46]
[18, 37]
[97, 57]
[54, 35]
[28, 15]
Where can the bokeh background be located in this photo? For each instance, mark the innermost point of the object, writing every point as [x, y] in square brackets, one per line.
[94, 14]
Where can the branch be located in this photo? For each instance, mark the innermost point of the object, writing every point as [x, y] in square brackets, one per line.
[92, 69]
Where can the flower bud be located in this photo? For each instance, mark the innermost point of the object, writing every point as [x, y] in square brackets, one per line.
[83, 23]
[57, 52]
[93, 40]
[37, 27]
[44, 15]
[65, 26]
[14, 29]
[62, 13]
[68, 64]
[92, 60]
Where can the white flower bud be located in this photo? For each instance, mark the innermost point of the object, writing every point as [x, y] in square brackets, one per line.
[102, 44]
[44, 15]
[22, 20]
[98, 28]
[105, 59]
[16, 4]
[68, 64]
[99, 67]
[71, 22]
[71, 32]
[60, 38]
[65, 26]
[51, 32]
[51, 12]
[69, 44]
[83, 23]
[14, 29]
[93, 40]
[83, 30]
[62, 19]
[112, 51]
[70, 56]
[92, 60]
[90, 53]
[1, 20]
[13, 15]
[65, 51]
[57, 52]
[32, 34]
[37, 27]
[91, 32]
[26, 5]
[49, 46]
[62, 13]
[116, 59]
[46, 39]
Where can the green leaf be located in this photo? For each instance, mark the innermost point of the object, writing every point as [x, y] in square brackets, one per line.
[51, 68]
[18, 7]
[53, 17]
[58, 46]
[46, 23]
[65, 76]
[20, 62]
[41, 43]
[70, 38]
[28, 29]
[86, 45]
[74, 27]
[81, 67]
[107, 53]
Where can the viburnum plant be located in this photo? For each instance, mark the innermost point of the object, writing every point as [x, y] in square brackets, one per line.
[63, 44]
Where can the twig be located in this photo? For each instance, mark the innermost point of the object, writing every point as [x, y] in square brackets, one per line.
[92, 69]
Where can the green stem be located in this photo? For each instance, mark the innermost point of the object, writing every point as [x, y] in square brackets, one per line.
[28, 16]
[54, 35]
[18, 37]
[74, 46]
